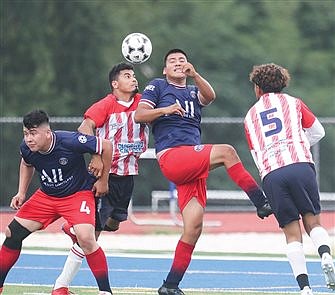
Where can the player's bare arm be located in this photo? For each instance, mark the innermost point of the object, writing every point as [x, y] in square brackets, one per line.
[207, 93]
[87, 126]
[146, 114]
[100, 187]
[25, 176]
[95, 166]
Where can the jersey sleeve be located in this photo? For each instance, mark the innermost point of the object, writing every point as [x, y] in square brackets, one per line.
[98, 112]
[150, 94]
[24, 152]
[314, 131]
[308, 117]
[82, 143]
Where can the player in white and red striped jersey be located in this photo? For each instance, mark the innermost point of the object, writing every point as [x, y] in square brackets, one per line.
[112, 118]
[280, 130]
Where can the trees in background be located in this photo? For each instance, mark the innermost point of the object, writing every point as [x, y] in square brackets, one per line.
[56, 55]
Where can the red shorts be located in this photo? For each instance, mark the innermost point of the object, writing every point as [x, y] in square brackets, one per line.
[76, 209]
[188, 168]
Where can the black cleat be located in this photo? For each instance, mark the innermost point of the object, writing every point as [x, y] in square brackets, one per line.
[264, 211]
[164, 290]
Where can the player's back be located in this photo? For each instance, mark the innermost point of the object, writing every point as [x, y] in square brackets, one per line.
[274, 128]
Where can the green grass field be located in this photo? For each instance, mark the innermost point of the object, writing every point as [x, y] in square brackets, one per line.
[46, 290]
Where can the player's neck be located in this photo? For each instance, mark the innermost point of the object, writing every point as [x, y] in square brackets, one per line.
[123, 96]
[180, 82]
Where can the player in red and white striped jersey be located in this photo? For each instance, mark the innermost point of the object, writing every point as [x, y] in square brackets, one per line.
[112, 118]
[280, 130]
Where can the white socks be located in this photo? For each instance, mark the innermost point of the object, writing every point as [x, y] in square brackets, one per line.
[71, 267]
[319, 237]
[296, 257]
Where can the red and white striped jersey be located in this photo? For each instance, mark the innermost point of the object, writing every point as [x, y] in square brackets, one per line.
[114, 120]
[274, 128]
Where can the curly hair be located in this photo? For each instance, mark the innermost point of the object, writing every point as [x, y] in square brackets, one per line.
[270, 77]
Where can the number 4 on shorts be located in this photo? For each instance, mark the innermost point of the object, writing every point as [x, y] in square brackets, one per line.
[84, 208]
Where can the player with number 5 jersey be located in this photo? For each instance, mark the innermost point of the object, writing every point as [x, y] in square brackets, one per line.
[280, 130]
[67, 190]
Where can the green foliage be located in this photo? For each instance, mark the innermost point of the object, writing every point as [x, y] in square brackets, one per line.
[56, 55]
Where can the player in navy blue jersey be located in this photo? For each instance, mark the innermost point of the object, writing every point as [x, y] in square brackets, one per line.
[174, 109]
[67, 190]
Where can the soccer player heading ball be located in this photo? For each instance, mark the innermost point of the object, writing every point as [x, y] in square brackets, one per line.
[174, 109]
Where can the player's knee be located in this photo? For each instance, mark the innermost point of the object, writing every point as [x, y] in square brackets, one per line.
[225, 154]
[15, 234]
[112, 225]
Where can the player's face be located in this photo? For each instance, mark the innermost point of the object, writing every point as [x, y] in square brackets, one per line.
[174, 65]
[38, 138]
[126, 82]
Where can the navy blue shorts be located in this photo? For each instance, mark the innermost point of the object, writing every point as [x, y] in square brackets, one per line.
[115, 203]
[292, 192]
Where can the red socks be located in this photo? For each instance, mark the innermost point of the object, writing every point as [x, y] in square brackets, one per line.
[98, 265]
[182, 259]
[247, 183]
[8, 257]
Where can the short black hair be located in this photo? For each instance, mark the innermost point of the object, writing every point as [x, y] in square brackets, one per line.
[174, 50]
[35, 118]
[115, 71]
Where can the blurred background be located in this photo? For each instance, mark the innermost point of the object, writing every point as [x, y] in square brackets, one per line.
[56, 55]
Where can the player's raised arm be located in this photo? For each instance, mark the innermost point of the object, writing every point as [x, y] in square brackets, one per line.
[206, 91]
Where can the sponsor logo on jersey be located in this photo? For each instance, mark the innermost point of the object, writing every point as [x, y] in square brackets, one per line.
[199, 147]
[63, 161]
[135, 147]
[150, 87]
[82, 138]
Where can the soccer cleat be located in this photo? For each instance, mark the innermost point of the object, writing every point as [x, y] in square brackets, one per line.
[105, 293]
[61, 291]
[66, 228]
[328, 268]
[306, 291]
[164, 290]
[264, 211]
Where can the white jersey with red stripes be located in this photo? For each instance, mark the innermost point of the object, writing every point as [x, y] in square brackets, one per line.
[114, 120]
[274, 129]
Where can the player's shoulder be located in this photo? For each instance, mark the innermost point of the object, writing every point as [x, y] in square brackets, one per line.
[24, 149]
[156, 83]
[64, 136]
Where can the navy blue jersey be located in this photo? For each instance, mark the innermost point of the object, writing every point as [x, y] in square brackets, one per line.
[63, 169]
[174, 130]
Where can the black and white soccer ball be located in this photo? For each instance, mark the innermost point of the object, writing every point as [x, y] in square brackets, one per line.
[136, 48]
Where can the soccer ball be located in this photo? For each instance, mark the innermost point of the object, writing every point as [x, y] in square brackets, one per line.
[136, 48]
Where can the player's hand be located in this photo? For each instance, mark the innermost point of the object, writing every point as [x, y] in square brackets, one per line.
[188, 70]
[264, 211]
[96, 166]
[174, 109]
[100, 188]
[17, 201]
